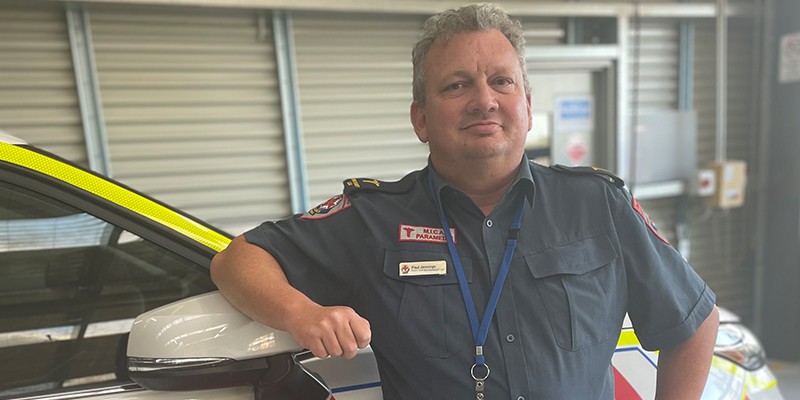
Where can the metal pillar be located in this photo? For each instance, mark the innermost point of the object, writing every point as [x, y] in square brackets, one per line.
[763, 200]
[722, 80]
[290, 110]
[686, 77]
[94, 127]
[624, 151]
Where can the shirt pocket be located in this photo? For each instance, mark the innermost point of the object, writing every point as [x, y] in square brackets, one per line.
[578, 289]
[431, 318]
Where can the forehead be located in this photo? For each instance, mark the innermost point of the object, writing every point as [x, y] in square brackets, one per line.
[470, 52]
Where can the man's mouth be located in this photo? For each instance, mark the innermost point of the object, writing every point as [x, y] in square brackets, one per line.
[482, 125]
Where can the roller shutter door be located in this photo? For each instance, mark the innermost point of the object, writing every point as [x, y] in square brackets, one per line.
[38, 98]
[655, 87]
[542, 32]
[354, 73]
[720, 240]
[192, 110]
[722, 246]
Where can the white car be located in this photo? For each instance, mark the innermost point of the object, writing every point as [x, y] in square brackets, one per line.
[105, 294]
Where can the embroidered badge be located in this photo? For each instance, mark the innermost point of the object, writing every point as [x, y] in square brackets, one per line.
[411, 233]
[332, 206]
[647, 221]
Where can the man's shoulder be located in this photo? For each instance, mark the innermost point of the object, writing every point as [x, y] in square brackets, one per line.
[585, 172]
[562, 186]
[365, 186]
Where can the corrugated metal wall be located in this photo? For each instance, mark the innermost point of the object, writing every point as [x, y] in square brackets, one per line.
[192, 110]
[355, 89]
[722, 250]
[354, 73]
[657, 87]
[654, 86]
[38, 98]
[543, 32]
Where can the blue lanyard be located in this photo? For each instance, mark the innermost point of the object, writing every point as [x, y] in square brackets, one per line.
[479, 332]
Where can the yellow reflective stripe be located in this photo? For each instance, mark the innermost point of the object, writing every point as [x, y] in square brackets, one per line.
[627, 338]
[759, 382]
[113, 193]
[744, 392]
[724, 365]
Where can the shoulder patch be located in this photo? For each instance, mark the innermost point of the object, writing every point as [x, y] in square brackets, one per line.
[647, 221]
[607, 175]
[326, 209]
[365, 184]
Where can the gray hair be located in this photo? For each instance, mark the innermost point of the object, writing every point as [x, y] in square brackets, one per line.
[475, 17]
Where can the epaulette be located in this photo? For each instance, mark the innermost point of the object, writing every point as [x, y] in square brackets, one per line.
[365, 184]
[607, 175]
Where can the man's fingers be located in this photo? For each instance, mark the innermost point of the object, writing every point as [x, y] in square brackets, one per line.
[347, 341]
[361, 331]
[331, 344]
[317, 348]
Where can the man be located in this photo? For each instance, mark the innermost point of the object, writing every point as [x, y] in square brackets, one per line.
[554, 257]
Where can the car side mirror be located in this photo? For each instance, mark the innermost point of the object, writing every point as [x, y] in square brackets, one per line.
[203, 342]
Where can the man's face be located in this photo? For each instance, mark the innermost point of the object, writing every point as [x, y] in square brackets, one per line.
[475, 106]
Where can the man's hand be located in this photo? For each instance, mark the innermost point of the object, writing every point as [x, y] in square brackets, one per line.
[330, 331]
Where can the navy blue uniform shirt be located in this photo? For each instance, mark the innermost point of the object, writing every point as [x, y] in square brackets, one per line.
[585, 257]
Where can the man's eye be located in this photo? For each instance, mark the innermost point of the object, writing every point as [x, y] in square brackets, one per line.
[504, 82]
[455, 86]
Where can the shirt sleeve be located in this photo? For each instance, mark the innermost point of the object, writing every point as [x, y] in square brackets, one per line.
[317, 255]
[667, 300]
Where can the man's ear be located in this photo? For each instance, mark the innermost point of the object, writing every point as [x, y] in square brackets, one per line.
[530, 116]
[418, 120]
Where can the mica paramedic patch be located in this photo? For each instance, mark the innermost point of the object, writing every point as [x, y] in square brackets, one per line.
[411, 233]
[647, 220]
[423, 268]
[328, 208]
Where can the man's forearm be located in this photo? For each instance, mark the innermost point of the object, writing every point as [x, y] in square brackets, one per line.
[251, 279]
[254, 283]
[683, 370]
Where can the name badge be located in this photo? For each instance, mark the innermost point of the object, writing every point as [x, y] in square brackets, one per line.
[423, 268]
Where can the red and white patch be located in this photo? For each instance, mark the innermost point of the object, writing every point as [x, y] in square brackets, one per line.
[411, 233]
[647, 220]
[332, 206]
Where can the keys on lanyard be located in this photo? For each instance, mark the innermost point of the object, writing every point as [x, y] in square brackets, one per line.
[480, 330]
[479, 382]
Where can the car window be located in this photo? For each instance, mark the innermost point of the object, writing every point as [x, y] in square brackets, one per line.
[70, 287]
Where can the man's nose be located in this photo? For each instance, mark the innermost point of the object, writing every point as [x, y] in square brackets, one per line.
[483, 99]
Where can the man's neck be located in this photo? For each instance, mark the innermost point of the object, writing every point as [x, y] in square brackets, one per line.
[484, 182]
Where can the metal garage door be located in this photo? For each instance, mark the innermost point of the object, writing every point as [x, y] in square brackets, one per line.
[192, 110]
[354, 73]
[38, 99]
[355, 90]
[722, 247]
[655, 87]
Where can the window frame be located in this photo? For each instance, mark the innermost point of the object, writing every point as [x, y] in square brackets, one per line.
[113, 213]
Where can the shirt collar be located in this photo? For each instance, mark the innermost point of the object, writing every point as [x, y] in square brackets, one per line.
[524, 180]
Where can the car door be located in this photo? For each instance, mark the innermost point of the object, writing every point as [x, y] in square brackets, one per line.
[75, 270]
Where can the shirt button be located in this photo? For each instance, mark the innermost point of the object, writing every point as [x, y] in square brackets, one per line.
[521, 398]
[489, 223]
[510, 338]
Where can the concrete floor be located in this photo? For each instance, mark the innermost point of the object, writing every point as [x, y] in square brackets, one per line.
[788, 375]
